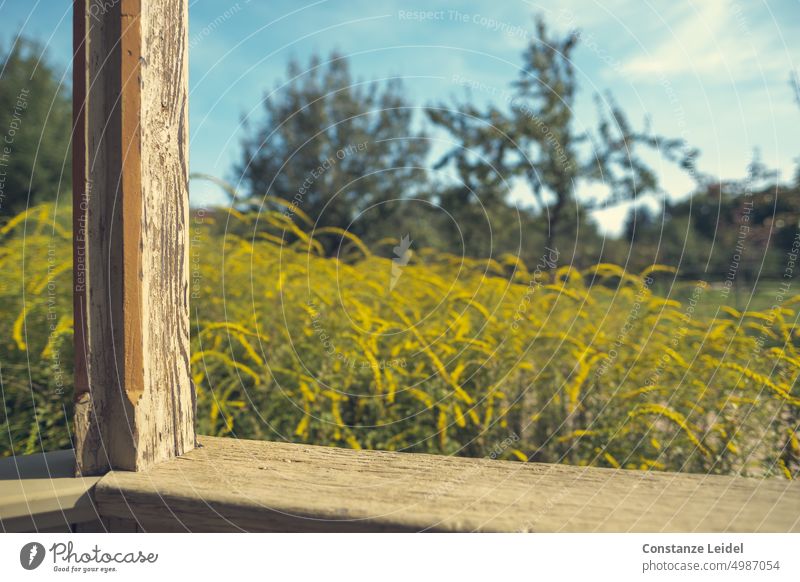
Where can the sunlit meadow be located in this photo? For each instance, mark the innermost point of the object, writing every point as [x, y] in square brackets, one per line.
[410, 350]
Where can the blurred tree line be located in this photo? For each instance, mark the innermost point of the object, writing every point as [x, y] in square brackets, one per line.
[35, 128]
[742, 229]
[459, 199]
[360, 156]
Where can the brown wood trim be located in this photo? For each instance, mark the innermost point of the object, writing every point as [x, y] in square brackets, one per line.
[80, 192]
[131, 194]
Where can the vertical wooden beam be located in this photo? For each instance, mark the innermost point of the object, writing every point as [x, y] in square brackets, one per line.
[134, 398]
[79, 195]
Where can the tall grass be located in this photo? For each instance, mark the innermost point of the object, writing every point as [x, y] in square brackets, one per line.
[384, 349]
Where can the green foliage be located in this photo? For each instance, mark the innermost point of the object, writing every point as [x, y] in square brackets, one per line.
[36, 354]
[537, 139]
[729, 230]
[35, 127]
[340, 149]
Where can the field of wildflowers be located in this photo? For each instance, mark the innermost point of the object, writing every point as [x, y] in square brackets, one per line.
[406, 349]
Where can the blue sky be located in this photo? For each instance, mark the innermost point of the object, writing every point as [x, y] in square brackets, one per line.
[715, 72]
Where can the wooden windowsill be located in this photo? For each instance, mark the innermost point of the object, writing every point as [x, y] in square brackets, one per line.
[239, 485]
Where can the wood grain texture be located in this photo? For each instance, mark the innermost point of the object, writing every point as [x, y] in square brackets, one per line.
[236, 485]
[137, 408]
[165, 230]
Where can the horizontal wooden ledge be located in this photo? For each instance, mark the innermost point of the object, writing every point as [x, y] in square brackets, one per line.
[238, 485]
[39, 493]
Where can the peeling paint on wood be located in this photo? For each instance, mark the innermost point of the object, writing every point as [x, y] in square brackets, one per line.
[134, 407]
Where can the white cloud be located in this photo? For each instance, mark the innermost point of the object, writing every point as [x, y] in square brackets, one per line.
[713, 39]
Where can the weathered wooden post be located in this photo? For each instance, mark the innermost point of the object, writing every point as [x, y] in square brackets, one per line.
[134, 398]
